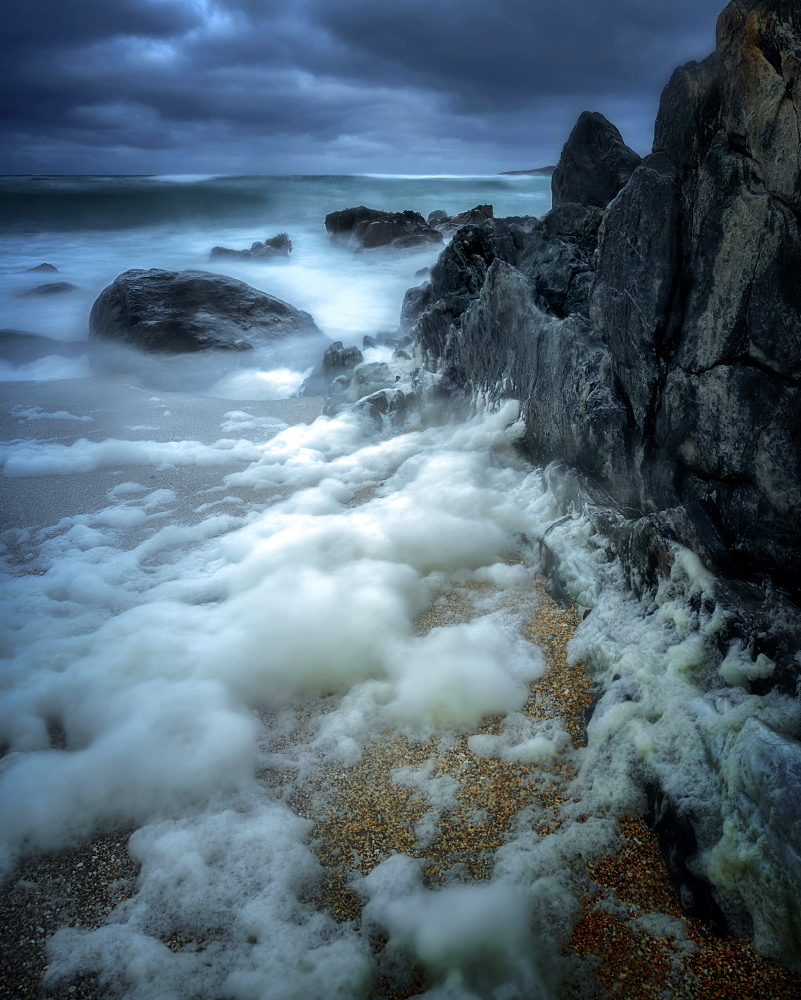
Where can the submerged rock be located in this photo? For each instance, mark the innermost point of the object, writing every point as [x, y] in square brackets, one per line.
[45, 268]
[180, 311]
[368, 228]
[51, 288]
[276, 246]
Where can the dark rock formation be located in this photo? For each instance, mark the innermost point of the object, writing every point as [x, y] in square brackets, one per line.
[692, 295]
[338, 359]
[46, 268]
[679, 846]
[368, 228]
[50, 288]
[697, 292]
[180, 311]
[276, 246]
[448, 224]
[595, 163]
[415, 302]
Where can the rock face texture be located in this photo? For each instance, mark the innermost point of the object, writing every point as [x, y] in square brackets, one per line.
[650, 324]
[684, 268]
[181, 311]
[367, 228]
[595, 163]
[697, 293]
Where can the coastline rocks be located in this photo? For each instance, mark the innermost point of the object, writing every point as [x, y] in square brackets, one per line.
[650, 324]
[369, 377]
[595, 163]
[277, 246]
[183, 311]
[45, 268]
[698, 297]
[689, 280]
[368, 228]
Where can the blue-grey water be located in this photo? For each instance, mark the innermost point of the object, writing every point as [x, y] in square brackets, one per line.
[93, 228]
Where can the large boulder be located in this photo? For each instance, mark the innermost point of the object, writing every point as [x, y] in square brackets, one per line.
[595, 163]
[368, 228]
[181, 311]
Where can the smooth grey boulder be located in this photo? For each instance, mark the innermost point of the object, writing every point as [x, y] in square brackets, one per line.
[369, 228]
[595, 163]
[385, 405]
[366, 379]
[182, 311]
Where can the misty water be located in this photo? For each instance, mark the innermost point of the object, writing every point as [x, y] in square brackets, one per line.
[211, 598]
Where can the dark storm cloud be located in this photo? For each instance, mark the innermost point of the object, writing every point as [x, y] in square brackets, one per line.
[100, 84]
[512, 49]
[42, 23]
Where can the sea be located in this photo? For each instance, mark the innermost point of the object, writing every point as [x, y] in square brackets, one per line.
[212, 600]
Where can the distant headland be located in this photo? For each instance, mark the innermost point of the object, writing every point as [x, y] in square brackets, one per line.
[536, 172]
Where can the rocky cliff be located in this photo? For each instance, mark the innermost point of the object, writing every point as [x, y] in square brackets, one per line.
[650, 324]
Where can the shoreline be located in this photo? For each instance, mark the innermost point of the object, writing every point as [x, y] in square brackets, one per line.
[630, 937]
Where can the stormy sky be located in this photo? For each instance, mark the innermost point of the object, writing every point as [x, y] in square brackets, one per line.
[330, 86]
